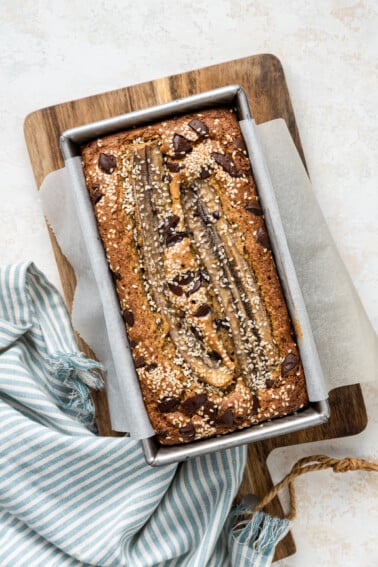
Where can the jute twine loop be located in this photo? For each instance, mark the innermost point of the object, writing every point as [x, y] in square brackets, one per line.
[310, 464]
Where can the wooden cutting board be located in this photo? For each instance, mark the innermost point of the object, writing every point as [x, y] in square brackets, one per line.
[263, 79]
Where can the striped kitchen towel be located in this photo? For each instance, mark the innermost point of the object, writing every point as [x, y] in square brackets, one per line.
[71, 498]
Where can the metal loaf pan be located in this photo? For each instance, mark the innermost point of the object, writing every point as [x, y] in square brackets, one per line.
[234, 96]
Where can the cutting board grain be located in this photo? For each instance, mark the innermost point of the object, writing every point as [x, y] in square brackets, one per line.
[263, 79]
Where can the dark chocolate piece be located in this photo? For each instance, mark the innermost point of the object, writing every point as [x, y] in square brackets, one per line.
[290, 362]
[170, 223]
[202, 310]
[140, 362]
[254, 207]
[176, 289]
[192, 404]
[210, 410]
[181, 145]
[199, 127]
[185, 278]
[174, 237]
[240, 144]
[188, 430]
[225, 419]
[263, 238]
[107, 163]
[227, 163]
[255, 404]
[168, 404]
[128, 317]
[96, 194]
[214, 355]
[204, 173]
[174, 166]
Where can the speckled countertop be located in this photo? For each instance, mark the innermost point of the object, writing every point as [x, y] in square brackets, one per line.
[51, 52]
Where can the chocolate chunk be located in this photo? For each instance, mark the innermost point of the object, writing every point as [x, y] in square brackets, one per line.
[174, 166]
[238, 419]
[185, 278]
[263, 238]
[188, 430]
[162, 433]
[196, 332]
[140, 362]
[168, 404]
[227, 163]
[255, 404]
[240, 144]
[174, 237]
[170, 223]
[166, 177]
[181, 145]
[204, 173]
[176, 289]
[151, 366]
[210, 410]
[107, 162]
[133, 343]
[269, 383]
[290, 362]
[192, 404]
[96, 197]
[214, 355]
[199, 127]
[225, 419]
[117, 275]
[254, 207]
[96, 194]
[217, 215]
[196, 286]
[222, 323]
[128, 317]
[202, 310]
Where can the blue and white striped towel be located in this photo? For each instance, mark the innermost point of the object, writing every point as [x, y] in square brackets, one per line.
[69, 497]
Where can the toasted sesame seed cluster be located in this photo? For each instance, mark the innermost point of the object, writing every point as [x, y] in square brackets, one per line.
[184, 234]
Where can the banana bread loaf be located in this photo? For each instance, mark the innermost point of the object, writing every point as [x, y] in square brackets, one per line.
[184, 234]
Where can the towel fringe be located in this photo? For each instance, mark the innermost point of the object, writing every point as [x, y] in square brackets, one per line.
[254, 538]
[270, 531]
[79, 374]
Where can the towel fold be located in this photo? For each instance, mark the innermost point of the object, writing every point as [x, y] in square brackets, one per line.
[69, 497]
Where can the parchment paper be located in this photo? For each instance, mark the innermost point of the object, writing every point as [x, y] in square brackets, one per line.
[345, 339]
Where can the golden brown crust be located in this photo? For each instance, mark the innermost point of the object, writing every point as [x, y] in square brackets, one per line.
[143, 180]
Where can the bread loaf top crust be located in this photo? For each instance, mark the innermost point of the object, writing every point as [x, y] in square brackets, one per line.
[179, 216]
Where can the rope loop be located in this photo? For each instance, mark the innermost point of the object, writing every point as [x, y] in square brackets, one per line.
[311, 464]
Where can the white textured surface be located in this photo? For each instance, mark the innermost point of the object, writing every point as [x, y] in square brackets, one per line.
[51, 52]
